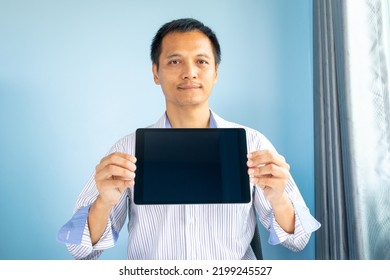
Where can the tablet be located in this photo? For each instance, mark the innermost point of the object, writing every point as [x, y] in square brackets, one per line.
[191, 166]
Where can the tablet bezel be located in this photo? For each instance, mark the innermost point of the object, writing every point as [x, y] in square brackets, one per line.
[141, 133]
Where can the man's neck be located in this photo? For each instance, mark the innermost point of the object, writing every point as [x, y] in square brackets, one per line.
[189, 117]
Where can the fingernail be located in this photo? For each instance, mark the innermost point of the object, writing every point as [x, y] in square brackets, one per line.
[249, 155]
[250, 162]
[251, 172]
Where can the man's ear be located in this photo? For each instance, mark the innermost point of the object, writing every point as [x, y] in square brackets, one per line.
[155, 74]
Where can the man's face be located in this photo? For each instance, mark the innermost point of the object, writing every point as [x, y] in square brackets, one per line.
[187, 71]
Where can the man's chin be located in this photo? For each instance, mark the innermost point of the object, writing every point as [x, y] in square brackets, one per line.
[191, 103]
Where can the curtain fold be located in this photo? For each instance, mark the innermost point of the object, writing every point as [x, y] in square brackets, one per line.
[352, 129]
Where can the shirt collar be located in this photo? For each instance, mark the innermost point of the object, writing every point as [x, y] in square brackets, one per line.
[213, 123]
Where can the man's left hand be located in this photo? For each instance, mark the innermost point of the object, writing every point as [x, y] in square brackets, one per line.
[269, 171]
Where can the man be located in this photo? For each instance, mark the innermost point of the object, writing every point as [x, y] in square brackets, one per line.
[185, 58]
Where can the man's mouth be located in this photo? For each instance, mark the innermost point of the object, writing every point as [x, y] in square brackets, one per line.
[189, 86]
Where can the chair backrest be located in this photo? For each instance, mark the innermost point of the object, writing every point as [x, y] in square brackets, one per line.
[256, 244]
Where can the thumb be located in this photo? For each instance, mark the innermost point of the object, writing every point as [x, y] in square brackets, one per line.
[122, 185]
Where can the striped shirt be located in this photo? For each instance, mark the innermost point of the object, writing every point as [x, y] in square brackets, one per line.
[191, 232]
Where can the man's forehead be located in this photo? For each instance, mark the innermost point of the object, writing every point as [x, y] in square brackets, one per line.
[175, 41]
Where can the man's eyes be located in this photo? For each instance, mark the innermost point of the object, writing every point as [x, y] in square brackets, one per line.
[200, 61]
[174, 62]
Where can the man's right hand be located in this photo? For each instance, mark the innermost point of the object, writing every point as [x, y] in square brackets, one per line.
[114, 174]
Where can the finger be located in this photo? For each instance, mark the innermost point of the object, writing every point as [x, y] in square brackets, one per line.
[270, 182]
[123, 178]
[111, 171]
[119, 159]
[269, 169]
[111, 184]
[123, 184]
[265, 157]
[117, 154]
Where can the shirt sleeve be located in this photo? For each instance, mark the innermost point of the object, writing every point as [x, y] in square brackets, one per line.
[75, 233]
[305, 223]
[76, 236]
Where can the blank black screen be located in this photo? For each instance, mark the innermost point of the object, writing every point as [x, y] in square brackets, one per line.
[191, 166]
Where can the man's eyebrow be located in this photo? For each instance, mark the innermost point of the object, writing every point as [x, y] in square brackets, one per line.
[203, 55]
[173, 55]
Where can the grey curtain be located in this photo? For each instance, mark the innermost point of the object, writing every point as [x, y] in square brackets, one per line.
[352, 128]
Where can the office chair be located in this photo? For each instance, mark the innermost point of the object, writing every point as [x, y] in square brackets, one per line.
[256, 244]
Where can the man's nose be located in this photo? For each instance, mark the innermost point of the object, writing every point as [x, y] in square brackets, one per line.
[189, 71]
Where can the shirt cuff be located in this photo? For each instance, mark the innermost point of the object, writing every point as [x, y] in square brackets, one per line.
[304, 222]
[308, 222]
[108, 238]
[72, 231]
[277, 234]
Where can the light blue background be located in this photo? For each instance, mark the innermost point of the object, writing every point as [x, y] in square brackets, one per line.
[75, 76]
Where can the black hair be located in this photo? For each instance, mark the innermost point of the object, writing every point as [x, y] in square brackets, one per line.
[183, 25]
